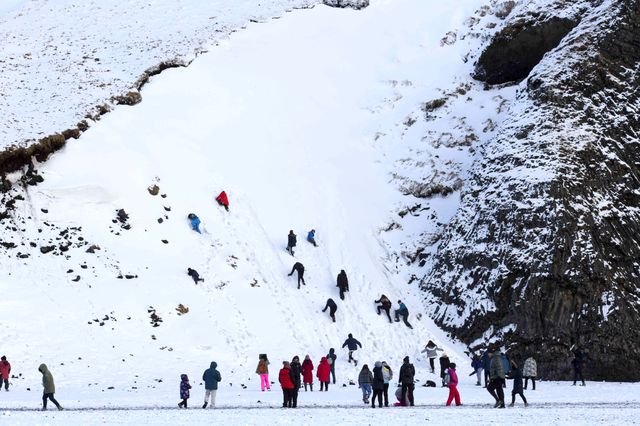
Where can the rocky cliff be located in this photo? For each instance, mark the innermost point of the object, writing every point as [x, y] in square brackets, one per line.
[543, 253]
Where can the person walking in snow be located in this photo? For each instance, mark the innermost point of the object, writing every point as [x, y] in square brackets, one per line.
[530, 371]
[184, 390]
[497, 379]
[403, 312]
[377, 385]
[343, 283]
[432, 353]
[453, 385]
[5, 371]
[577, 363]
[263, 371]
[385, 304]
[291, 242]
[211, 378]
[324, 369]
[284, 377]
[296, 372]
[387, 376]
[194, 275]
[486, 365]
[307, 373]
[365, 378]
[223, 200]
[299, 268]
[49, 388]
[331, 305]
[516, 375]
[407, 376]
[476, 364]
[311, 237]
[352, 344]
[331, 359]
[195, 222]
[444, 365]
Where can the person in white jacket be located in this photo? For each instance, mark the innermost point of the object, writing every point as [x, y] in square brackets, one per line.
[530, 371]
[387, 375]
[432, 352]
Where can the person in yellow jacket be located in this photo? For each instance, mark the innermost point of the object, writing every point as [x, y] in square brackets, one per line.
[49, 388]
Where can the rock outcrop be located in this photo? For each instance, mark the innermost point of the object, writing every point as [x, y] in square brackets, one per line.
[353, 4]
[544, 252]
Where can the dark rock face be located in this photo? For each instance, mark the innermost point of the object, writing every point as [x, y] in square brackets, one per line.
[353, 4]
[519, 47]
[544, 252]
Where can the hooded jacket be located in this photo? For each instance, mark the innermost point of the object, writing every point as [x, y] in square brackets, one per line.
[307, 371]
[223, 199]
[431, 350]
[453, 378]
[407, 372]
[332, 356]
[184, 386]
[5, 369]
[47, 379]
[343, 281]
[351, 343]
[365, 377]
[285, 378]
[324, 370]
[496, 371]
[211, 377]
[516, 375]
[378, 376]
[296, 371]
[387, 373]
[530, 368]
[292, 240]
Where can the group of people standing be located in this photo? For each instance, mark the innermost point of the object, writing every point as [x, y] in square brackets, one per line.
[293, 375]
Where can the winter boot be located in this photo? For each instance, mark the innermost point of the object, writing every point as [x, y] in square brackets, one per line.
[205, 404]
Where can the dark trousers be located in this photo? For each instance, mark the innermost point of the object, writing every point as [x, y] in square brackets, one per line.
[287, 397]
[183, 403]
[376, 393]
[301, 278]
[495, 389]
[332, 313]
[577, 374]
[385, 393]
[333, 373]
[533, 382]
[342, 290]
[50, 397]
[6, 384]
[386, 309]
[513, 397]
[404, 315]
[290, 250]
[486, 377]
[351, 358]
[310, 386]
[407, 389]
[294, 396]
[432, 364]
[326, 386]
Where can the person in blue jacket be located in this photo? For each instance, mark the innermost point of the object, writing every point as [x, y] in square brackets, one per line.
[477, 366]
[195, 222]
[311, 237]
[403, 312]
[352, 344]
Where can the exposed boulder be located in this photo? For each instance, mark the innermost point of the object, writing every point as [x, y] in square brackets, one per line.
[353, 4]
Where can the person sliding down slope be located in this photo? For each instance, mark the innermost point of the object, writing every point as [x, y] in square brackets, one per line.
[343, 283]
[291, 242]
[299, 268]
[311, 237]
[352, 344]
[331, 305]
[223, 200]
[195, 222]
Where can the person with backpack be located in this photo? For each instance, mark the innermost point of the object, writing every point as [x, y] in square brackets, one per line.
[211, 377]
[49, 388]
[299, 268]
[365, 378]
[387, 376]
[311, 237]
[444, 364]
[476, 364]
[407, 376]
[451, 378]
[5, 371]
[530, 371]
[223, 200]
[184, 390]
[263, 371]
[577, 363]
[497, 377]
[377, 385]
[331, 305]
[307, 372]
[385, 304]
[284, 377]
[343, 283]
[296, 372]
[324, 369]
[403, 312]
[195, 222]
[516, 375]
[331, 359]
[291, 242]
[432, 353]
[352, 344]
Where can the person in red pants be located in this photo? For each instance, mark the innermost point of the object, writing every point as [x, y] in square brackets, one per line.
[453, 385]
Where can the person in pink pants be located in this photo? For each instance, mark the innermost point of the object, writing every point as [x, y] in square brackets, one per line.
[263, 371]
[453, 385]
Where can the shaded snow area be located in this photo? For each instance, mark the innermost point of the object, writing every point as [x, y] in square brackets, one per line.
[62, 59]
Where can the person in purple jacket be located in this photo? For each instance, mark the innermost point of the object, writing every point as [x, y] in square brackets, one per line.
[453, 385]
[184, 390]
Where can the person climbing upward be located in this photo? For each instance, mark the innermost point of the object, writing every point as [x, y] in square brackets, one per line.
[331, 305]
[195, 222]
[385, 305]
[299, 268]
[343, 283]
[223, 200]
[352, 344]
[311, 237]
[291, 242]
[403, 312]
[194, 275]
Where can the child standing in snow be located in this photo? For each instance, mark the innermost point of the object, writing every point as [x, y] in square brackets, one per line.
[453, 385]
[184, 390]
[263, 371]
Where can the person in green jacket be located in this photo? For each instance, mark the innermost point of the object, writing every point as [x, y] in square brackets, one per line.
[49, 388]
[497, 376]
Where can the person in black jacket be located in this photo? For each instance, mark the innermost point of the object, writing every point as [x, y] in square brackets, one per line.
[331, 305]
[377, 385]
[578, 361]
[407, 374]
[516, 374]
[299, 268]
[291, 242]
[352, 344]
[385, 305]
[445, 363]
[194, 275]
[331, 359]
[296, 372]
[343, 283]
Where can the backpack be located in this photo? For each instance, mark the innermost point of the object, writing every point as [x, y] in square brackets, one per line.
[329, 360]
[447, 378]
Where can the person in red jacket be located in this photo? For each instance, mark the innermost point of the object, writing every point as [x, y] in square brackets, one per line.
[453, 385]
[324, 370]
[5, 370]
[223, 200]
[307, 373]
[287, 385]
